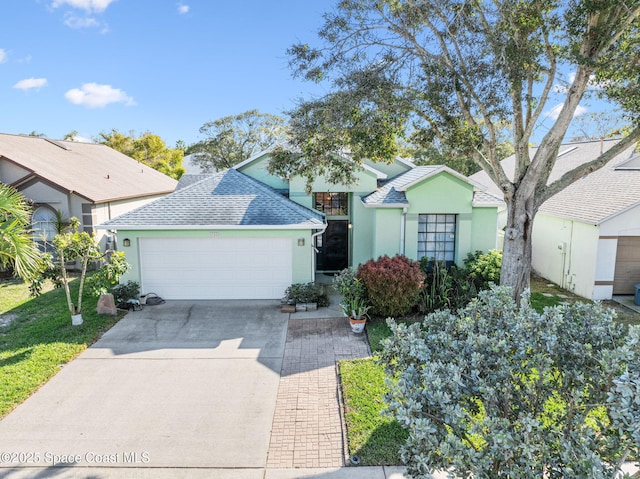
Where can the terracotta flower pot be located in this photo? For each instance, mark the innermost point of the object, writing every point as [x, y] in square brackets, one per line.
[357, 325]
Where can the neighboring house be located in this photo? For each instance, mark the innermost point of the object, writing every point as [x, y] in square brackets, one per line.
[244, 233]
[587, 237]
[91, 182]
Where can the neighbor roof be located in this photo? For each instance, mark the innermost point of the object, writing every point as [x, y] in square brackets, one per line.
[228, 199]
[392, 192]
[95, 172]
[595, 198]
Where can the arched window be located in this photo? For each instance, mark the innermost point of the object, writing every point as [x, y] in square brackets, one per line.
[44, 224]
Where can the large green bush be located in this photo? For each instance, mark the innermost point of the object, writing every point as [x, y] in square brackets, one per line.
[499, 391]
[484, 268]
[393, 285]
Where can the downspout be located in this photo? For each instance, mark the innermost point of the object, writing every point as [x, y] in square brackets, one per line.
[403, 226]
[313, 246]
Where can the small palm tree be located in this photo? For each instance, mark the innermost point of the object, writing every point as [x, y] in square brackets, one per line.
[16, 246]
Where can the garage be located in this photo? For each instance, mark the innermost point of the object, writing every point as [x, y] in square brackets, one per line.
[627, 273]
[215, 268]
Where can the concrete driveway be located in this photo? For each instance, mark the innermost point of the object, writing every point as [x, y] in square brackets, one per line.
[183, 385]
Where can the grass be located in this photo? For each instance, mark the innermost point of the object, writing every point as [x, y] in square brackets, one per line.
[375, 437]
[39, 338]
[372, 436]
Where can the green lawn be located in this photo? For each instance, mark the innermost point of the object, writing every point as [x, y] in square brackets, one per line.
[371, 435]
[39, 338]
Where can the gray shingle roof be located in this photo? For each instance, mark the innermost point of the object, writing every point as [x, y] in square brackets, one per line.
[599, 196]
[225, 199]
[592, 199]
[93, 171]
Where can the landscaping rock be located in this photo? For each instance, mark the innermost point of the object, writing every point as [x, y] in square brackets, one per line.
[106, 305]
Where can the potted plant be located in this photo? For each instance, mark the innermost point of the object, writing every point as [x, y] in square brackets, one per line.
[348, 287]
[356, 310]
[354, 304]
[305, 296]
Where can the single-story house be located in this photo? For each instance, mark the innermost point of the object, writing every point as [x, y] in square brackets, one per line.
[245, 233]
[89, 181]
[586, 238]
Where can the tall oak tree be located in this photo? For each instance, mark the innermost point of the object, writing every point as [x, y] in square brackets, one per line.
[456, 71]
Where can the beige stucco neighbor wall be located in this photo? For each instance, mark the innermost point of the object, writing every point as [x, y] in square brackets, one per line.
[302, 257]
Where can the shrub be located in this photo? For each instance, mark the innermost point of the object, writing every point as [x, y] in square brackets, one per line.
[393, 285]
[306, 293]
[484, 268]
[498, 390]
[123, 292]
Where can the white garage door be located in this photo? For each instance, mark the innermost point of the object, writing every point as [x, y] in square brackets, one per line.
[215, 268]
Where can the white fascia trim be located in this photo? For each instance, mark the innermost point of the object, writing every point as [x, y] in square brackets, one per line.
[209, 227]
[379, 174]
[386, 205]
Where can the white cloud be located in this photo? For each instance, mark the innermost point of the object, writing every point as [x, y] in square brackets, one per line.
[94, 95]
[554, 113]
[182, 9]
[30, 83]
[74, 21]
[3, 55]
[86, 5]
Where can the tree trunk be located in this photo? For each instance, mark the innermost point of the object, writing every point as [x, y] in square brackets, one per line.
[516, 253]
[65, 283]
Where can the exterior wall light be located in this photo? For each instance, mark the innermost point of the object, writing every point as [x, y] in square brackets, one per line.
[300, 241]
[126, 242]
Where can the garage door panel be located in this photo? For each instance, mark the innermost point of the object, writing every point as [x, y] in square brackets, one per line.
[627, 272]
[214, 268]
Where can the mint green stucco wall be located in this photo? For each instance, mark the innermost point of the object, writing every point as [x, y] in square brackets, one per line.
[484, 229]
[301, 256]
[386, 236]
[258, 170]
[378, 231]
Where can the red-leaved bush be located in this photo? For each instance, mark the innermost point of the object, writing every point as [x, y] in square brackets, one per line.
[393, 285]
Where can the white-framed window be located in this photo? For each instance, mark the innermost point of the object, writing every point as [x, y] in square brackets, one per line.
[44, 225]
[437, 237]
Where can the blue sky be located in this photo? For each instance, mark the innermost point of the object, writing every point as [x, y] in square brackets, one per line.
[147, 65]
[152, 65]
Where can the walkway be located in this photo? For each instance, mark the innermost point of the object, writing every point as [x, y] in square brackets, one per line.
[307, 428]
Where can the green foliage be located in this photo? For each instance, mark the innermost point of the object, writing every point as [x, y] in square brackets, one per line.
[484, 268]
[148, 148]
[451, 75]
[353, 292]
[126, 291]
[17, 250]
[498, 390]
[232, 139]
[70, 246]
[108, 274]
[306, 293]
[437, 292]
[393, 285]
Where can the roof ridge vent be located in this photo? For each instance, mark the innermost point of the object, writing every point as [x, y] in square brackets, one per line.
[58, 144]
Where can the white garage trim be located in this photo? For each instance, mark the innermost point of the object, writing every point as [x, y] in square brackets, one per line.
[215, 268]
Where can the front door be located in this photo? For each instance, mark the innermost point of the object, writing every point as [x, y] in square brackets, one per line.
[333, 246]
